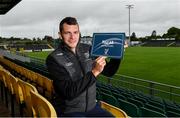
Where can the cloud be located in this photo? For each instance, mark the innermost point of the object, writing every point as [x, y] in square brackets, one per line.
[37, 18]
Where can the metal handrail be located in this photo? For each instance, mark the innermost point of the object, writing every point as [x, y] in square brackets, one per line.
[149, 87]
[148, 81]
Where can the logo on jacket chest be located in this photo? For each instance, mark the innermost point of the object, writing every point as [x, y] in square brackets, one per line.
[70, 68]
[68, 64]
[86, 54]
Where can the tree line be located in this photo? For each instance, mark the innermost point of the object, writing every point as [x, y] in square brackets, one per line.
[172, 32]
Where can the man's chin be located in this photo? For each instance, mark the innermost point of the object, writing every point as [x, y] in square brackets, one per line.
[73, 45]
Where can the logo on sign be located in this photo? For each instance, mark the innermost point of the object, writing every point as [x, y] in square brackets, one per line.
[108, 43]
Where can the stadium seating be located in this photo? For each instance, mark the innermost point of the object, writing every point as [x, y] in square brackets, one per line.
[154, 108]
[26, 88]
[1, 83]
[48, 89]
[157, 99]
[11, 88]
[169, 104]
[4, 75]
[173, 109]
[41, 107]
[118, 113]
[158, 43]
[119, 95]
[131, 109]
[156, 104]
[136, 102]
[43, 84]
[18, 95]
[114, 90]
[30, 77]
[30, 47]
[136, 99]
[126, 94]
[145, 112]
[172, 114]
[109, 99]
[98, 96]
[141, 100]
[103, 90]
[11, 93]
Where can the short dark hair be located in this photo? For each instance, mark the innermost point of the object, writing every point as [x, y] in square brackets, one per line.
[69, 21]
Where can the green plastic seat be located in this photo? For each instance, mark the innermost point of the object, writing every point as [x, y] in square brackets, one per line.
[154, 108]
[105, 91]
[145, 112]
[156, 104]
[109, 99]
[136, 102]
[172, 114]
[119, 96]
[173, 109]
[131, 109]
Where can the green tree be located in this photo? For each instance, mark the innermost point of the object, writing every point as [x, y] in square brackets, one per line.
[173, 31]
[133, 37]
[153, 35]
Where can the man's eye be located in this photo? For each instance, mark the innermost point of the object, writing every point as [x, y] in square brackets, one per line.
[76, 32]
[67, 33]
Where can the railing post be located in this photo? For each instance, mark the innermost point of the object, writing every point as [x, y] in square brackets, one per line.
[170, 93]
[109, 81]
[152, 89]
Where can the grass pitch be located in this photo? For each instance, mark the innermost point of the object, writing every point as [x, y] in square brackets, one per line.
[159, 64]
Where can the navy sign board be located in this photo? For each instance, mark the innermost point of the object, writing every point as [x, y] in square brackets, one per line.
[108, 44]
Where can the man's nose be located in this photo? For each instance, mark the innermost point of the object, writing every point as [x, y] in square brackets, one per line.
[71, 36]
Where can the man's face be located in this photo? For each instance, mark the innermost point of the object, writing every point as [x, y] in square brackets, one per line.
[70, 35]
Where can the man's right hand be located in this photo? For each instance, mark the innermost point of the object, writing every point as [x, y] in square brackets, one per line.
[100, 62]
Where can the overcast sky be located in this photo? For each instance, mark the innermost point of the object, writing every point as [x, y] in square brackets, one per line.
[37, 18]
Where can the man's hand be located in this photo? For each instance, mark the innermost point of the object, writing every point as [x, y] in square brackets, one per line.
[100, 62]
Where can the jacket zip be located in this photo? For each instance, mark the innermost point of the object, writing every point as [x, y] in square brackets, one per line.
[87, 88]
[83, 72]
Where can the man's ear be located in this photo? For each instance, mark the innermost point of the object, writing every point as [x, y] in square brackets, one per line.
[60, 36]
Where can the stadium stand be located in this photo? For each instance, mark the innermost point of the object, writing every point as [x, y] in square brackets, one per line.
[2, 47]
[30, 108]
[161, 43]
[30, 47]
[20, 91]
[133, 103]
[117, 96]
[177, 44]
[43, 84]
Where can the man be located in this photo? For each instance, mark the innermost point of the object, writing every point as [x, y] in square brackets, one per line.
[74, 73]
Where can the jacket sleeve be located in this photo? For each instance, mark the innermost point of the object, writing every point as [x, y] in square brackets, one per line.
[111, 67]
[63, 84]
